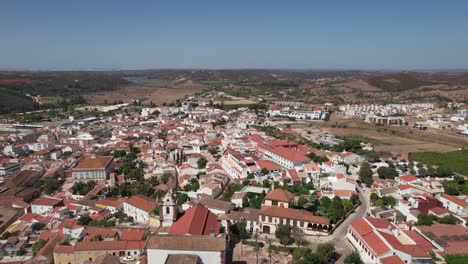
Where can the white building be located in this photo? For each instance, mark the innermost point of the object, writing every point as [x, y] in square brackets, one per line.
[209, 249]
[139, 207]
[45, 205]
[453, 204]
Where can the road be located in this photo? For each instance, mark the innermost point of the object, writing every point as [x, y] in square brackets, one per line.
[338, 238]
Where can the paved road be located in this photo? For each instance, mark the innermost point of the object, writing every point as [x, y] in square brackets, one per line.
[338, 238]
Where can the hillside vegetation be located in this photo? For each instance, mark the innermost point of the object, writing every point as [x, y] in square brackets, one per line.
[397, 82]
[67, 85]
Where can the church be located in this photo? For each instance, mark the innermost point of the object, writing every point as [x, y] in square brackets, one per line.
[195, 234]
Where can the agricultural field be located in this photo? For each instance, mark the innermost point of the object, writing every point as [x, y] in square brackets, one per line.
[233, 100]
[157, 93]
[394, 138]
[456, 160]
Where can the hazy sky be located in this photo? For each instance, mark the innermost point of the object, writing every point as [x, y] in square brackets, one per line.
[393, 34]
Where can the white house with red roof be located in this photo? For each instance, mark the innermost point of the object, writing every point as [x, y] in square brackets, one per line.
[139, 207]
[312, 170]
[453, 204]
[287, 158]
[379, 241]
[45, 205]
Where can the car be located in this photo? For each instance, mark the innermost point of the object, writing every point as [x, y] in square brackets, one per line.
[129, 258]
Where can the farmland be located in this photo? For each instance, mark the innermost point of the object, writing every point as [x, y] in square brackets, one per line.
[456, 160]
[394, 138]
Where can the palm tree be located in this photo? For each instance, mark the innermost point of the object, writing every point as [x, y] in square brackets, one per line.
[269, 241]
[257, 250]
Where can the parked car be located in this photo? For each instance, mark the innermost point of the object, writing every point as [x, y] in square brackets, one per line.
[129, 258]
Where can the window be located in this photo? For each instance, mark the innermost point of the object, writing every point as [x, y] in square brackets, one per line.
[167, 210]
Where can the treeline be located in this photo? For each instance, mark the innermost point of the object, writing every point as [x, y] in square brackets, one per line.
[69, 85]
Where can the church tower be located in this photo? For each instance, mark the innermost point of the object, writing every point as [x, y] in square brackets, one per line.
[169, 210]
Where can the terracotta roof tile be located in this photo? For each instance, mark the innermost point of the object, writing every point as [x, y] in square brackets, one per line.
[94, 162]
[142, 202]
[279, 195]
[197, 220]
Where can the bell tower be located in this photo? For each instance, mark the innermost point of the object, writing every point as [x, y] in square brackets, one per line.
[169, 209]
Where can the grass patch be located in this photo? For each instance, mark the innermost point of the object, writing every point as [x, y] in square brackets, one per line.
[456, 259]
[456, 160]
[8, 132]
[52, 99]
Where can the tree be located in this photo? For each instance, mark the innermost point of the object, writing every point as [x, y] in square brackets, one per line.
[283, 234]
[347, 205]
[265, 171]
[38, 226]
[83, 188]
[442, 171]
[448, 219]
[374, 197]
[335, 210]
[257, 247]
[84, 220]
[365, 174]
[313, 203]
[298, 236]
[387, 173]
[21, 252]
[324, 252]
[269, 242]
[5, 235]
[301, 202]
[353, 258]
[424, 219]
[202, 163]
[182, 198]
[165, 177]
[355, 199]
[158, 194]
[38, 245]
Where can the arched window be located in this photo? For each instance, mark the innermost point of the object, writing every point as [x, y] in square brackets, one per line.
[167, 210]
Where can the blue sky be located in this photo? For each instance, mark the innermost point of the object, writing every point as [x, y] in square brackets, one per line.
[348, 34]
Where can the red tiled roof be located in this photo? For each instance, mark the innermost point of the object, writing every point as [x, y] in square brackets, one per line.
[279, 195]
[198, 220]
[420, 240]
[392, 260]
[132, 234]
[270, 165]
[142, 202]
[293, 174]
[408, 178]
[376, 244]
[291, 155]
[362, 227]
[49, 201]
[99, 162]
[439, 211]
[455, 200]
[343, 193]
[403, 187]
[64, 249]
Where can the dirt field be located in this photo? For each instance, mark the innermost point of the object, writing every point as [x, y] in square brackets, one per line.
[156, 93]
[398, 139]
[233, 100]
